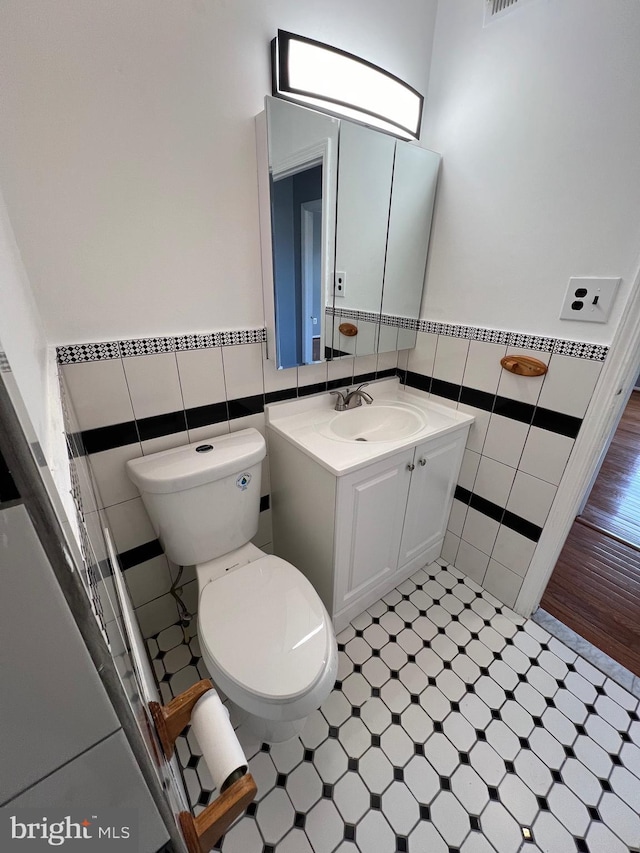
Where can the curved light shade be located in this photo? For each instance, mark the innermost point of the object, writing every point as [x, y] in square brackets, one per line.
[318, 75]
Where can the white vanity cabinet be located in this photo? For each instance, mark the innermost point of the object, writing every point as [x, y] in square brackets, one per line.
[358, 535]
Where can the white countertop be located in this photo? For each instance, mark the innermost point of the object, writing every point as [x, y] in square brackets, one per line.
[305, 423]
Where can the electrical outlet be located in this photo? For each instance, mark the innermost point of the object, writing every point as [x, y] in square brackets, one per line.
[589, 299]
[340, 284]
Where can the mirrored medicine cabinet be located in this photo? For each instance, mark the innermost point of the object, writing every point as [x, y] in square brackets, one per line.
[345, 219]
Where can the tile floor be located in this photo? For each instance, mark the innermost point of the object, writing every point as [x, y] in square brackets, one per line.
[455, 725]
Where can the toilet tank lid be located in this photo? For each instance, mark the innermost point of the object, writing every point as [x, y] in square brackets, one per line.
[197, 464]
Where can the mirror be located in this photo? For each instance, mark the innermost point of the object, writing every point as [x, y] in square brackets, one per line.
[345, 221]
[301, 200]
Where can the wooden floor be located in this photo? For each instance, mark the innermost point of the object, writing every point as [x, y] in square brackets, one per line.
[595, 587]
[614, 502]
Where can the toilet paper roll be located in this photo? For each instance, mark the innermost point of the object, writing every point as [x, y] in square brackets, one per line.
[220, 746]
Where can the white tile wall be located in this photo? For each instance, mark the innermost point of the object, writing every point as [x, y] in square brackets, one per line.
[154, 384]
[483, 370]
[531, 498]
[101, 391]
[513, 550]
[422, 357]
[569, 384]
[201, 376]
[243, 370]
[129, 524]
[472, 561]
[507, 462]
[502, 582]
[480, 531]
[110, 475]
[494, 480]
[451, 358]
[479, 427]
[469, 469]
[505, 440]
[170, 382]
[546, 454]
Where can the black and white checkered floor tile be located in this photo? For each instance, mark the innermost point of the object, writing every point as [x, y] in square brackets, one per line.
[454, 725]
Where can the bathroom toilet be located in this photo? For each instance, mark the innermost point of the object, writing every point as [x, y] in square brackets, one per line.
[265, 636]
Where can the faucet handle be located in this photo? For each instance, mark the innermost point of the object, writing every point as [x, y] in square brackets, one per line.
[364, 385]
[341, 402]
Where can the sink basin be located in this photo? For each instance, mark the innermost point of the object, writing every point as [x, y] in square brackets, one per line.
[376, 423]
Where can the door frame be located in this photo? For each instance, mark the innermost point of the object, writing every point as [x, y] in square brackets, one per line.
[610, 396]
[309, 210]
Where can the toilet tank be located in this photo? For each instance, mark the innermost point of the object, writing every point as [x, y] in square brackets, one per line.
[203, 499]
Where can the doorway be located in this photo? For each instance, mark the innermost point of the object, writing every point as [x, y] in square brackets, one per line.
[595, 586]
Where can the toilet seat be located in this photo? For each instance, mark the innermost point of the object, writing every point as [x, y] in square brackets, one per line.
[264, 628]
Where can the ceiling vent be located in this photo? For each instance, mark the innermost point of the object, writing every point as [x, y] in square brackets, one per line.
[494, 9]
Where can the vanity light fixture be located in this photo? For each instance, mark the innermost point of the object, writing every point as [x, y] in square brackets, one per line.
[334, 81]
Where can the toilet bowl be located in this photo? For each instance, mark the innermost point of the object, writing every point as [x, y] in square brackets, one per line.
[266, 640]
[265, 635]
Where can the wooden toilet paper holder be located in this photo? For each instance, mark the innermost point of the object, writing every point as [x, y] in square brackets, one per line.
[201, 832]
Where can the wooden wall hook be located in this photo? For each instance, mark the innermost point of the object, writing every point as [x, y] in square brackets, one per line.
[524, 365]
[348, 329]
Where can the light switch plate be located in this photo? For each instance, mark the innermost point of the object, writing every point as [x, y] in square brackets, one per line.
[589, 299]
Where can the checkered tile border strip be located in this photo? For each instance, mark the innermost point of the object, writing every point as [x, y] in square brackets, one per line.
[577, 349]
[77, 353]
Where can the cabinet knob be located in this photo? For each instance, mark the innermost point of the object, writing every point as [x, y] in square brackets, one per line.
[410, 466]
[423, 461]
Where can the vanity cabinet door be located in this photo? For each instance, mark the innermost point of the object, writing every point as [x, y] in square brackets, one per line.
[370, 510]
[433, 482]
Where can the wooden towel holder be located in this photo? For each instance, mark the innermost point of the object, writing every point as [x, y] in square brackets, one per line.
[524, 365]
[201, 832]
[348, 329]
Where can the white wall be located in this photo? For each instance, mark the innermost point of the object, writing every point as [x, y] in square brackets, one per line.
[129, 148]
[21, 331]
[538, 120]
[22, 338]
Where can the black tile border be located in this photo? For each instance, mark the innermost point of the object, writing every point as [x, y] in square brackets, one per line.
[448, 390]
[200, 416]
[515, 410]
[242, 407]
[140, 554]
[498, 513]
[105, 438]
[161, 425]
[118, 435]
[567, 425]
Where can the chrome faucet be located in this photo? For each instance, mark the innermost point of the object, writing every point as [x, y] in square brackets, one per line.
[352, 399]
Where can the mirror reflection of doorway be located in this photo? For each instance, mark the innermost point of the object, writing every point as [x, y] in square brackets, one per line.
[297, 259]
[311, 278]
[595, 586]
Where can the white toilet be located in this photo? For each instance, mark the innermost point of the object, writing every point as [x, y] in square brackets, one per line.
[266, 638]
